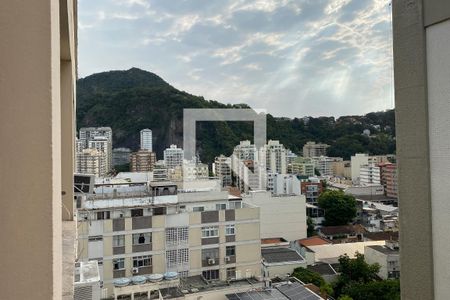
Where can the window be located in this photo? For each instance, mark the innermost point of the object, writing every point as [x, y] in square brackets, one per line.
[176, 257]
[210, 231]
[235, 204]
[137, 212]
[158, 211]
[142, 238]
[119, 263]
[230, 251]
[118, 240]
[177, 235]
[211, 274]
[142, 261]
[103, 215]
[212, 253]
[231, 273]
[221, 206]
[230, 229]
[198, 208]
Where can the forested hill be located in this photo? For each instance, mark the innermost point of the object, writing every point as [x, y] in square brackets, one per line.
[131, 100]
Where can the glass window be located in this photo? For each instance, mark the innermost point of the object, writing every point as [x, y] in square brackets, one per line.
[210, 231]
[137, 212]
[231, 273]
[198, 208]
[119, 263]
[103, 215]
[118, 241]
[142, 238]
[142, 261]
[211, 274]
[230, 229]
[230, 251]
[221, 206]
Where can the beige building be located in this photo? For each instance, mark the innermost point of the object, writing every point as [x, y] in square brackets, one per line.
[342, 169]
[140, 230]
[37, 88]
[142, 161]
[311, 149]
[387, 257]
[91, 161]
[303, 166]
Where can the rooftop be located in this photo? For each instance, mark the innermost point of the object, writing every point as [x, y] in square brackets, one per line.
[276, 240]
[330, 253]
[313, 241]
[343, 229]
[322, 269]
[382, 236]
[280, 255]
[284, 291]
[384, 249]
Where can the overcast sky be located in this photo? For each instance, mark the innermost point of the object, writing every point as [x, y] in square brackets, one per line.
[293, 58]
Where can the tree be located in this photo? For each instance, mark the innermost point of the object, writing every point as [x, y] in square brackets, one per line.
[375, 290]
[345, 297]
[340, 209]
[308, 276]
[310, 231]
[354, 270]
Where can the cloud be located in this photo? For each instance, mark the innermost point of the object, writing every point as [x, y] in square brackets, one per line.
[295, 58]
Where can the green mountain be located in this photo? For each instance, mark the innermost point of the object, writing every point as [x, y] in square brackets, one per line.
[131, 100]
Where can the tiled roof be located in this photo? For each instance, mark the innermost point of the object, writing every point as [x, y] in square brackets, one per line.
[313, 241]
[344, 229]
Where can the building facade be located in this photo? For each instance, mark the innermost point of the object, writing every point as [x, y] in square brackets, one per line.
[173, 157]
[121, 156]
[197, 233]
[222, 170]
[389, 179]
[142, 161]
[99, 138]
[311, 149]
[146, 140]
[311, 189]
[275, 155]
[369, 175]
[91, 161]
[303, 166]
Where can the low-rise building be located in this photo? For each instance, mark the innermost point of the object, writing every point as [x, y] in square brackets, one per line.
[280, 261]
[387, 257]
[343, 233]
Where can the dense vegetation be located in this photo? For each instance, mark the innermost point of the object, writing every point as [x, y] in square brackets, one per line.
[131, 100]
[357, 280]
[340, 208]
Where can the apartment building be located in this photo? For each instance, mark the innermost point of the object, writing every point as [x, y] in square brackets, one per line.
[275, 155]
[189, 171]
[173, 156]
[324, 164]
[222, 170]
[342, 169]
[156, 228]
[99, 138]
[387, 257]
[121, 156]
[160, 172]
[91, 161]
[311, 189]
[146, 139]
[311, 149]
[303, 166]
[245, 151]
[369, 175]
[362, 159]
[142, 161]
[250, 176]
[283, 184]
[389, 179]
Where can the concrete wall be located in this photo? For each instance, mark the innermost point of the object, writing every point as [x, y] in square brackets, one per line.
[37, 72]
[421, 64]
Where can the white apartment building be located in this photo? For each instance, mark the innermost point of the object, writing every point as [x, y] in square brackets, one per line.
[88, 134]
[250, 176]
[369, 175]
[155, 228]
[311, 149]
[245, 151]
[360, 159]
[222, 170]
[283, 184]
[275, 155]
[173, 156]
[146, 139]
[91, 161]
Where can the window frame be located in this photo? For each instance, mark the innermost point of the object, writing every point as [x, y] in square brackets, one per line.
[230, 229]
[210, 232]
[118, 261]
[119, 237]
[147, 238]
[142, 259]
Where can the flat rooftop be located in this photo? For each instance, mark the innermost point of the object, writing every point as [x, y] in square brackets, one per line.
[384, 249]
[284, 291]
[280, 255]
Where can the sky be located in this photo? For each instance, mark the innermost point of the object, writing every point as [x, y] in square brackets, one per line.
[292, 58]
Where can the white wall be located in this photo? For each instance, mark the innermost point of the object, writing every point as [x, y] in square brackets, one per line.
[438, 66]
[280, 216]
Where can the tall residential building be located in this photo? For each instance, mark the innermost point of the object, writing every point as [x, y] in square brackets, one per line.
[173, 156]
[275, 155]
[160, 229]
[121, 156]
[222, 170]
[311, 149]
[421, 40]
[342, 169]
[283, 184]
[250, 176]
[94, 137]
[389, 179]
[311, 189]
[303, 166]
[142, 161]
[160, 172]
[91, 161]
[369, 175]
[146, 139]
[245, 151]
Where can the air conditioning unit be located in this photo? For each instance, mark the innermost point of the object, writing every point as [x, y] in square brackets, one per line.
[211, 261]
[227, 259]
[135, 270]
